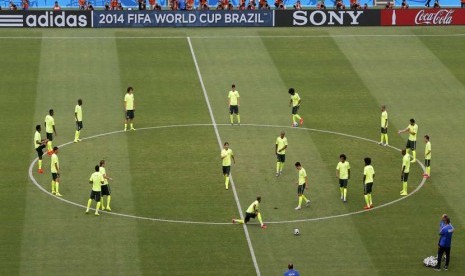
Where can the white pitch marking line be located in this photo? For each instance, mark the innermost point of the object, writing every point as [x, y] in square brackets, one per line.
[31, 176]
[220, 144]
[233, 37]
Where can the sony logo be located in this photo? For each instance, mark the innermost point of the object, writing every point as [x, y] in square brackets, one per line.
[319, 17]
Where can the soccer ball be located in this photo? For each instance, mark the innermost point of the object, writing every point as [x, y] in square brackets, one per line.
[295, 124]
[296, 232]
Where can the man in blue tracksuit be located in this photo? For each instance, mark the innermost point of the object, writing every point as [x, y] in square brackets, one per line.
[445, 241]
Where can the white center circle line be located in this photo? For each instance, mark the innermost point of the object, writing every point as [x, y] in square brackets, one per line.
[34, 181]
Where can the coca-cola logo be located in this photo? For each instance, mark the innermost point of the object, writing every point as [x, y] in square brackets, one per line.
[435, 17]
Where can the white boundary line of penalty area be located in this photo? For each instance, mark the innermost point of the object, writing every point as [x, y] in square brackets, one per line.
[34, 181]
[220, 144]
[234, 37]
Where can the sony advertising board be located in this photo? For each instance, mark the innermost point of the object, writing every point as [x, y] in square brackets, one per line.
[46, 19]
[316, 18]
[110, 19]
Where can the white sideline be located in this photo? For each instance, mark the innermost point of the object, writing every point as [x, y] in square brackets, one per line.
[234, 37]
[220, 144]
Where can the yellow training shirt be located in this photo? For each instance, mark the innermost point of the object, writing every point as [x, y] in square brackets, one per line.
[227, 156]
[369, 173]
[414, 128]
[343, 169]
[96, 178]
[253, 207]
[281, 142]
[295, 99]
[384, 118]
[37, 137]
[302, 176]
[54, 160]
[78, 111]
[49, 123]
[233, 96]
[428, 149]
[129, 100]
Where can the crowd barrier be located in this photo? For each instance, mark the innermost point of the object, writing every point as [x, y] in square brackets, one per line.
[270, 18]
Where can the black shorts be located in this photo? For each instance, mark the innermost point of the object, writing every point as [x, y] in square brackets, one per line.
[383, 130]
[39, 151]
[95, 195]
[301, 189]
[295, 109]
[226, 169]
[50, 136]
[343, 183]
[411, 145]
[106, 190]
[427, 162]
[130, 114]
[55, 176]
[404, 177]
[367, 188]
[79, 125]
[248, 216]
[281, 157]
[233, 109]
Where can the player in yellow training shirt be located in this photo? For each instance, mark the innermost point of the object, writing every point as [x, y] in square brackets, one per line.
[302, 185]
[343, 174]
[368, 178]
[96, 179]
[281, 146]
[50, 130]
[412, 129]
[405, 171]
[106, 191]
[252, 212]
[226, 156]
[129, 108]
[427, 157]
[55, 169]
[39, 145]
[78, 118]
[295, 103]
[234, 103]
[384, 126]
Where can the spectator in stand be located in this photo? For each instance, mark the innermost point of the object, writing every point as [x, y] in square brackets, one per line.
[142, 5]
[389, 5]
[321, 5]
[107, 6]
[219, 5]
[25, 4]
[277, 3]
[436, 4]
[119, 7]
[182, 5]
[297, 5]
[250, 6]
[427, 4]
[263, 5]
[225, 4]
[90, 7]
[241, 5]
[56, 7]
[113, 5]
[82, 4]
[190, 5]
[13, 6]
[404, 4]
[174, 5]
[462, 3]
[365, 6]
[355, 5]
[203, 5]
[339, 5]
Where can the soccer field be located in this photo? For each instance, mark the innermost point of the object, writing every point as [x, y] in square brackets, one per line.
[171, 214]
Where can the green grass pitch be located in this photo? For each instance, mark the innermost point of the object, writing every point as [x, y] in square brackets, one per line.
[168, 172]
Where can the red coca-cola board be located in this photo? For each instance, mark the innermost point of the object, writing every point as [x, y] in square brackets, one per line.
[423, 17]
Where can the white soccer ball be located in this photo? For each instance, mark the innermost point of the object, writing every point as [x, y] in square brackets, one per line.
[296, 232]
[295, 124]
